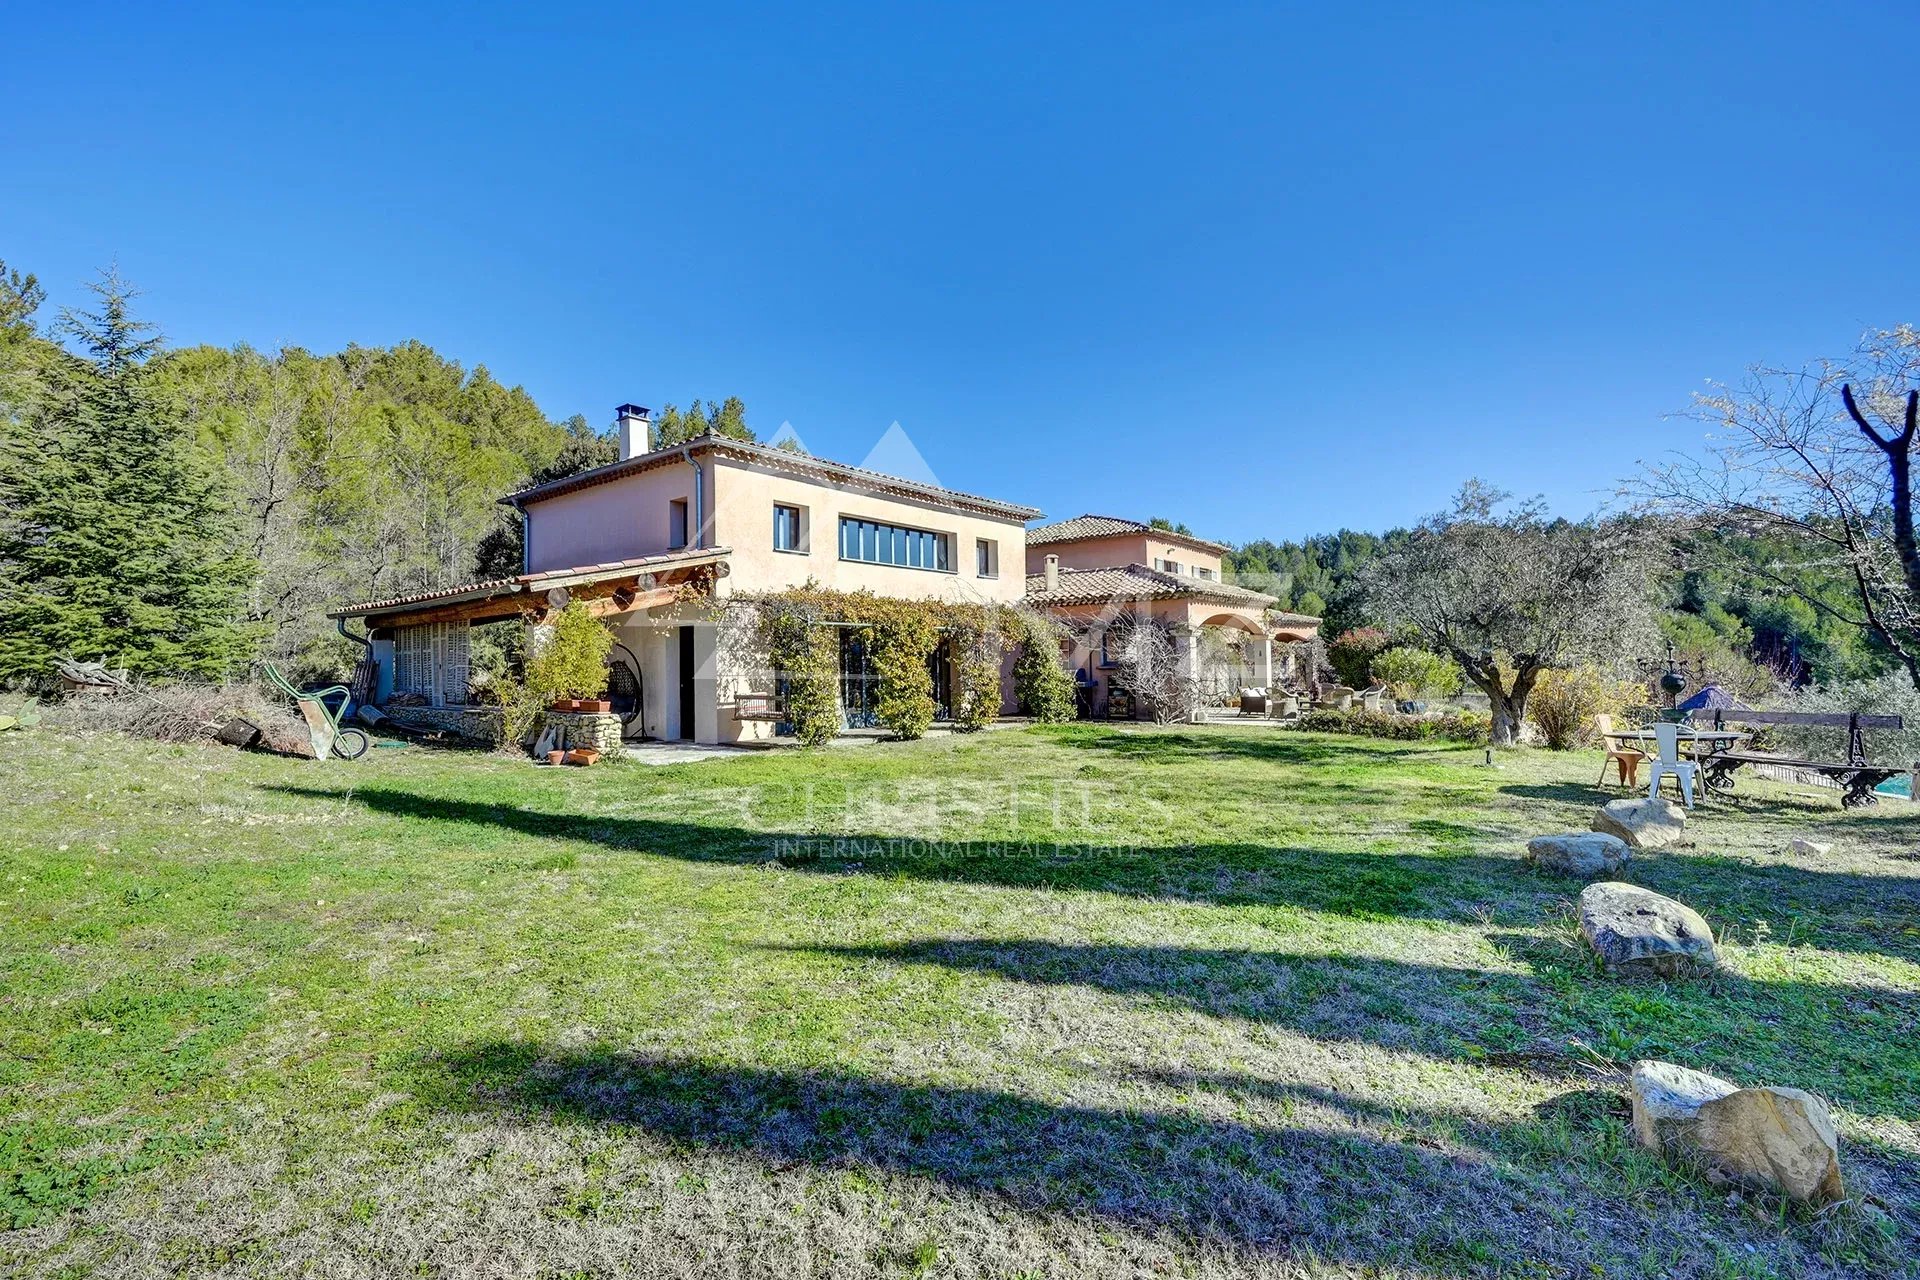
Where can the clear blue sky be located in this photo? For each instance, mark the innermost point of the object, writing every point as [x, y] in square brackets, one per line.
[1267, 272]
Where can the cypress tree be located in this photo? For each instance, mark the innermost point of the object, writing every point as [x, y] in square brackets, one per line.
[120, 543]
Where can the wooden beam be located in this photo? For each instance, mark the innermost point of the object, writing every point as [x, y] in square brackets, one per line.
[609, 606]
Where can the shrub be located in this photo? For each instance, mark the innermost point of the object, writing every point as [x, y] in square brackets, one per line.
[1415, 673]
[570, 661]
[1565, 701]
[1456, 726]
[1351, 653]
[1044, 688]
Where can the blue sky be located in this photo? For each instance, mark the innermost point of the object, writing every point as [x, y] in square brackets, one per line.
[1268, 271]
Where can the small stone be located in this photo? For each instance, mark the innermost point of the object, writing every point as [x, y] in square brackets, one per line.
[1582, 853]
[1770, 1138]
[1639, 932]
[1646, 823]
[1810, 848]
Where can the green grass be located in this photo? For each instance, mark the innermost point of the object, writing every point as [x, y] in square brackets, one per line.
[1056, 1002]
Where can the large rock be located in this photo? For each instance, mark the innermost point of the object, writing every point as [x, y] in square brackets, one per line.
[1582, 853]
[1810, 848]
[1646, 823]
[1771, 1138]
[1637, 931]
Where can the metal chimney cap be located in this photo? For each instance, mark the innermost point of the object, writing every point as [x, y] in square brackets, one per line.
[630, 411]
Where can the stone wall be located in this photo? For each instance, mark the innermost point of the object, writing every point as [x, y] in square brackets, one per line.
[477, 724]
[599, 730]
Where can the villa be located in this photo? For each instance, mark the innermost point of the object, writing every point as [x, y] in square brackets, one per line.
[1092, 571]
[660, 541]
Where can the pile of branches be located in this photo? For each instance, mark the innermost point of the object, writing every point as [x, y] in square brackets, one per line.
[180, 713]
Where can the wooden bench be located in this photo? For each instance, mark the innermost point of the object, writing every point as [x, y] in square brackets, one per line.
[1856, 777]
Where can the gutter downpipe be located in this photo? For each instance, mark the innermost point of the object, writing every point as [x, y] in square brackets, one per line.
[340, 625]
[699, 497]
[526, 536]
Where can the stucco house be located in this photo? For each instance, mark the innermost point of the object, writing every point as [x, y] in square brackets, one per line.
[657, 543]
[1092, 572]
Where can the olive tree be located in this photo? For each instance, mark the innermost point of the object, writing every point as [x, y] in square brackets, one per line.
[1507, 592]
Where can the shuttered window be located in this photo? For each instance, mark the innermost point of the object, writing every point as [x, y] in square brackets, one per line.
[420, 653]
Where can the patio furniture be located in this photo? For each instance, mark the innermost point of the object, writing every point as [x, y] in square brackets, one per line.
[323, 722]
[1668, 762]
[1618, 753]
[1855, 776]
[1335, 697]
[1253, 702]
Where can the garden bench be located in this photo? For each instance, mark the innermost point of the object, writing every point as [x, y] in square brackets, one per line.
[1856, 776]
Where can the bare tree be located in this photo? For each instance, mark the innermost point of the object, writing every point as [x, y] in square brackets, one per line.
[1146, 656]
[1818, 462]
[1508, 595]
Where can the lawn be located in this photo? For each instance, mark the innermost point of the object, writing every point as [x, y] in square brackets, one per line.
[1047, 1002]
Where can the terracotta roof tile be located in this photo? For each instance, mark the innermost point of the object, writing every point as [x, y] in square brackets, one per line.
[1090, 526]
[490, 588]
[1135, 582]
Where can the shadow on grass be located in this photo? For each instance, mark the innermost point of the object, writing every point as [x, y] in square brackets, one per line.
[1435, 1204]
[1448, 886]
[1848, 1043]
[1278, 746]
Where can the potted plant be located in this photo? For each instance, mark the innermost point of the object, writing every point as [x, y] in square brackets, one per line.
[566, 670]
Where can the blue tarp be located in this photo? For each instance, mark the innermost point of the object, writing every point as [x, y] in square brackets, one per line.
[1712, 698]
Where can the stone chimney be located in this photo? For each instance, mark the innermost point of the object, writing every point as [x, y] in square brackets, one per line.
[636, 431]
[1053, 573]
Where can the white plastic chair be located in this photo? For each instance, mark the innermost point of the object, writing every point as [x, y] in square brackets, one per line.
[1666, 736]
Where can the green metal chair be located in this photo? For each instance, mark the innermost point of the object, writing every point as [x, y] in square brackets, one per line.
[323, 722]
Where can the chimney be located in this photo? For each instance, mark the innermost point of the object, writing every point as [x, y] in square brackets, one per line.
[636, 432]
[1053, 573]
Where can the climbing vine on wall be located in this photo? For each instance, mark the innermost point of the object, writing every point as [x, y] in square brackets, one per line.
[806, 654]
[902, 635]
[977, 639]
[800, 629]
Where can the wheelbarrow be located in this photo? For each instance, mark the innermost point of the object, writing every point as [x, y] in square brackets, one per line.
[323, 722]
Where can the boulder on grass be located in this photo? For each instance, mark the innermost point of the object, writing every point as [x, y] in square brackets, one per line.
[1769, 1138]
[1581, 853]
[1646, 823]
[1639, 932]
[1810, 848]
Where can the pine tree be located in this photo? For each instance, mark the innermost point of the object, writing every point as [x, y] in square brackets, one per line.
[119, 541]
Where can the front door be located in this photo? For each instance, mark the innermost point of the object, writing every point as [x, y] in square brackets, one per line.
[686, 684]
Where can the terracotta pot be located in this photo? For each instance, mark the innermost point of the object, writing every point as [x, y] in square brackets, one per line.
[556, 757]
[583, 756]
[599, 705]
[564, 704]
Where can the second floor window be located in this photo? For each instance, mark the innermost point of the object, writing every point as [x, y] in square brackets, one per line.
[894, 544]
[786, 528]
[1203, 573]
[677, 524]
[1167, 566]
[986, 558]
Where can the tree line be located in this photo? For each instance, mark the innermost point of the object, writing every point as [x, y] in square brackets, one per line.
[1787, 555]
[181, 512]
